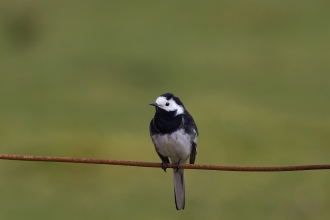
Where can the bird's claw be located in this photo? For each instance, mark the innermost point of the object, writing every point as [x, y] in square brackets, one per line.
[164, 165]
[177, 164]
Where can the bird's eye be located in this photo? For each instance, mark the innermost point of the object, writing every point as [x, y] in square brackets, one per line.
[167, 104]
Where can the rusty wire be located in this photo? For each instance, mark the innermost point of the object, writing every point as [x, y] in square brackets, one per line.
[158, 165]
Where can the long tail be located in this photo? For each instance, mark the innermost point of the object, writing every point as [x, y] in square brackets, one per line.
[178, 179]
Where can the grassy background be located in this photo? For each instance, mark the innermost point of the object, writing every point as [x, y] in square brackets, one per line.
[76, 78]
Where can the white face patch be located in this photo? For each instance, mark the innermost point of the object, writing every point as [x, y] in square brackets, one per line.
[169, 105]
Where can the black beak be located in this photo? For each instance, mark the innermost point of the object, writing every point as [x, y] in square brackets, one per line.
[154, 104]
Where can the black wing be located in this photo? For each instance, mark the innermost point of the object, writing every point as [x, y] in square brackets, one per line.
[193, 153]
[191, 128]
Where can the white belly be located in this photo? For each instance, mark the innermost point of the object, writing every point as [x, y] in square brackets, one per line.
[176, 146]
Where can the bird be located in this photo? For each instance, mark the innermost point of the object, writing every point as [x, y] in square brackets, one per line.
[173, 132]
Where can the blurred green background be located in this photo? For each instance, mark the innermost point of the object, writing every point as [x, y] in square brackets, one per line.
[76, 78]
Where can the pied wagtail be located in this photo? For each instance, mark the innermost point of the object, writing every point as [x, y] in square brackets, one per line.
[174, 134]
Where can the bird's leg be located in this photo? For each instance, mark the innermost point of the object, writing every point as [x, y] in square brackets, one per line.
[165, 161]
[164, 165]
[177, 166]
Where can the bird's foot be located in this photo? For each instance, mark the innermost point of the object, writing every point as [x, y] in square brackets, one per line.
[177, 164]
[164, 165]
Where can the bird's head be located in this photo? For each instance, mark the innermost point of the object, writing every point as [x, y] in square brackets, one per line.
[168, 104]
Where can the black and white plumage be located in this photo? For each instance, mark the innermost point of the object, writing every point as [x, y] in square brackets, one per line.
[174, 134]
